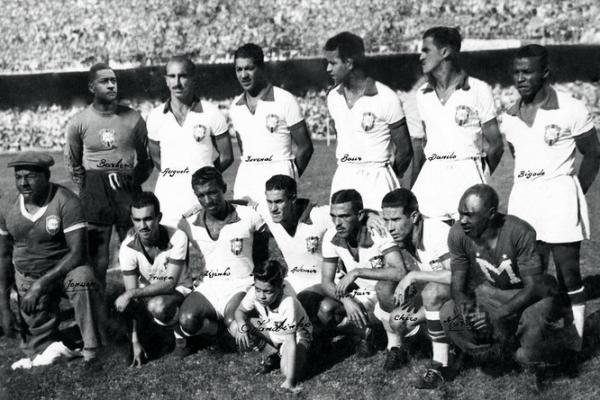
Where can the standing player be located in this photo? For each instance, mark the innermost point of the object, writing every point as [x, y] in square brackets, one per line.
[369, 122]
[153, 259]
[42, 226]
[364, 254]
[399, 307]
[459, 119]
[107, 158]
[267, 120]
[224, 235]
[501, 300]
[185, 135]
[543, 130]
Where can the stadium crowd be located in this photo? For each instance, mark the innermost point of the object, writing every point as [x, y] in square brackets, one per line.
[59, 36]
[45, 126]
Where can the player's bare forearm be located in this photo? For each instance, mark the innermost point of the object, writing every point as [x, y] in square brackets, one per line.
[225, 149]
[328, 279]
[154, 148]
[525, 297]
[495, 146]
[589, 146]
[291, 350]
[418, 161]
[77, 255]
[458, 286]
[444, 277]
[304, 146]
[155, 289]
[381, 274]
[404, 151]
[5, 273]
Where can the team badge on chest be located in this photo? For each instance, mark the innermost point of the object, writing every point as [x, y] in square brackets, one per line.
[551, 134]
[368, 121]
[52, 224]
[236, 245]
[107, 137]
[376, 262]
[199, 132]
[272, 122]
[462, 115]
[312, 244]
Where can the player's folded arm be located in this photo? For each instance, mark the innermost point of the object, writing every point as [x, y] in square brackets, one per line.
[304, 146]
[495, 145]
[154, 149]
[588, 145]
[403, 146]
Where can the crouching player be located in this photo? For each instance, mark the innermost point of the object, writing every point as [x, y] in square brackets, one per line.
[420, 293]
[43, 228]
[153, 259]
[502, 304]
[224, 234]
[282, 323]
[364, 253]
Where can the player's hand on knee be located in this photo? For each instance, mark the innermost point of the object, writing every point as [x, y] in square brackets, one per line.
[139, 355]
[405, 289]
[30, 300]
[243, 341]
[122, 302]
[356, 314]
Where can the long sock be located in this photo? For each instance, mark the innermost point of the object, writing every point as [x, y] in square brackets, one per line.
[578, 306]
[439, 341]
[394, 339]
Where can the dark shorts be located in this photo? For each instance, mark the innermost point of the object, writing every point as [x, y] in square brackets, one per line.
[104, 205]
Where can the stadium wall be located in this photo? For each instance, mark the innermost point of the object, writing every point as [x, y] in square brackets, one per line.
[217, 81]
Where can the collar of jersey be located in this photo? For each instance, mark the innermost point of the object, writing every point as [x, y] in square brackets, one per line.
[195, 107]
[267, 95]
[463, 83]
[549, 103]
[162, 244]
[231, 218]
[364, 239]
[38, 214]
[370, 89]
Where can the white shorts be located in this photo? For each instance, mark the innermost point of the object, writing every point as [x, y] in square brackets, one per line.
[556, 208]
[303, 336]
[219, 294]
[299, 282]
[176, 197]
[251, 177]
[371, 180]
[441, 184]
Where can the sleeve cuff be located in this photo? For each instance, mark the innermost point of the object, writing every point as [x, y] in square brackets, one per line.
[75, 227]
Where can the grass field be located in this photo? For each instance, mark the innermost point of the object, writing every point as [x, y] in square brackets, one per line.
[215, 374]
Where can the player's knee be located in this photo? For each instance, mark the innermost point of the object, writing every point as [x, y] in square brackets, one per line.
[160, 310]
[397, 323]
[190, 322]
[326, 313]
[434, 295]
[80, 279]
[385, 296]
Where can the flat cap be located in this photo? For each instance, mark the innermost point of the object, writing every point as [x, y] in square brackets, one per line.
[32, 159]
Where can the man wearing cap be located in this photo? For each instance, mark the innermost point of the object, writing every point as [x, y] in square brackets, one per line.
[43, 227]
[107, 158]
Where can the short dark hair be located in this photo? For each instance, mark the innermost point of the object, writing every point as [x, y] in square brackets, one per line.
[185, 60]
[95, 68]
[485, 192]
[208, 174]
[348, 196]
[444, 36]
[271, 271]
[534, 51]
[348, 46]
[282, 182]
[145, 199]
[251, 51]
[401, 198]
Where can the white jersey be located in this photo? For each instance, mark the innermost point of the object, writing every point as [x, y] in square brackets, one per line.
[183, 150]
[371, 251]
[302, 252]
[432, 251]
[229, 257]
[150, 264]
[363, 131]
[265, 134]
[453, 129]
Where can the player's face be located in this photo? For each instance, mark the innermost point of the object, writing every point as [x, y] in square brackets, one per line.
[345, 219]
[32, 184]
[280, 205]
[104, 86]
[145, 222]
[248, 74]
[431, 56]
[179, 80]
[528, 76]
[473, 216]
[211, 196]
[337, 69]
[266, 293]
[399, 224]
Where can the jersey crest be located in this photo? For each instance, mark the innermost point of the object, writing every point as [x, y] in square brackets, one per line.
[199, 132]
[368, 121]
[312, 244]
[272, 122]
[463, 115]
[236, 245]
[492, 272]
[376, 262]
[551, 134]
[52, 224]
[107, 137]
